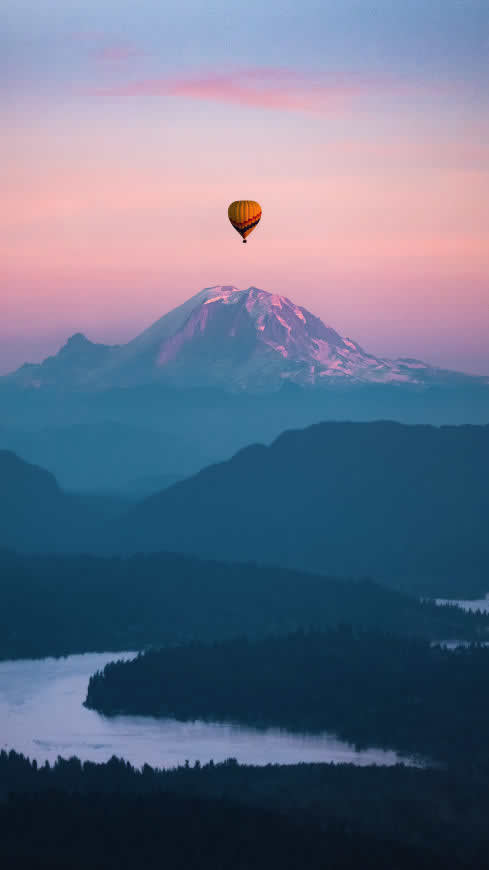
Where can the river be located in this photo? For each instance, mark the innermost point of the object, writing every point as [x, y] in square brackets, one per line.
[42, 715]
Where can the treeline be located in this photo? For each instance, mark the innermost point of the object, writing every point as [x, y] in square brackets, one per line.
[86, 603]
[60, 830]
[370, 688]
[403, 812]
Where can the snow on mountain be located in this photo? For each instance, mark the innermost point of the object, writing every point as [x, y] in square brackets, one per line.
[252, 339]
[234, 339]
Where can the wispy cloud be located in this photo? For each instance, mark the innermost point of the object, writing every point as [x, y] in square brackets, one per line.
[117, 52]
[266, 88]
[106, 48]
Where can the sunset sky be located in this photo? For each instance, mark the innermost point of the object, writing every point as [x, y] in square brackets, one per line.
[361, 127]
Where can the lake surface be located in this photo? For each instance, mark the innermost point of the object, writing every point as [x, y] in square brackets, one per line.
[482, 604]
[42, 716]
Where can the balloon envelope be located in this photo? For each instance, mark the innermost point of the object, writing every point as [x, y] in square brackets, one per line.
[244, 215]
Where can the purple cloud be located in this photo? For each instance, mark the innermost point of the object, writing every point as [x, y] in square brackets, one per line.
[267, 88]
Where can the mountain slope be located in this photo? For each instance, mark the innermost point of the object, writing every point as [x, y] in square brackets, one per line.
[258, 340]
[103, 456]
[37, 516]
[238, 340]
[76, 364]
[383, 499]
[80, 603]
[107, 439]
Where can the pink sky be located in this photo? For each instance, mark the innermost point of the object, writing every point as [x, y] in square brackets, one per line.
[375, 198]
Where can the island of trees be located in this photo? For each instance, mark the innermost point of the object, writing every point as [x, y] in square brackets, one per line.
[371, 688]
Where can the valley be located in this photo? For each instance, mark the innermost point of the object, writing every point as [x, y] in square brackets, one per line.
[280, 527]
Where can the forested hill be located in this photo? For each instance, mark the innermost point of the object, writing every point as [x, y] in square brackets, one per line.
[369, 688]
[442, 815]
[36, 515]
[404, 503]
[59, 830]
[55, 605]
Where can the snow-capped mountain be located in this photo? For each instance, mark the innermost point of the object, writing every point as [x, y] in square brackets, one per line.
[234, 339]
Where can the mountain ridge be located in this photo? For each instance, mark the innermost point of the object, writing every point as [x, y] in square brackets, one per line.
[237, 340]
[398, 502]
[37, 515]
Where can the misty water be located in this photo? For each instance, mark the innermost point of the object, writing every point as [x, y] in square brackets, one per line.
[481, 604]
[42, 715]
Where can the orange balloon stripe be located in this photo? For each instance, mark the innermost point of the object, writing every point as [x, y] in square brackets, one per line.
[243, 224]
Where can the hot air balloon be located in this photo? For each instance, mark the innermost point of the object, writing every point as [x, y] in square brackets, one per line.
[244, 215]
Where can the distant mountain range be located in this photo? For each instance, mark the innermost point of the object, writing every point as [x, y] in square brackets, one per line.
[226, 369]
[236, 340]
[408, 505]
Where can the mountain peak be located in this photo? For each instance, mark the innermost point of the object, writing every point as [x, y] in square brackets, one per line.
[235, 340]
[76, 341]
